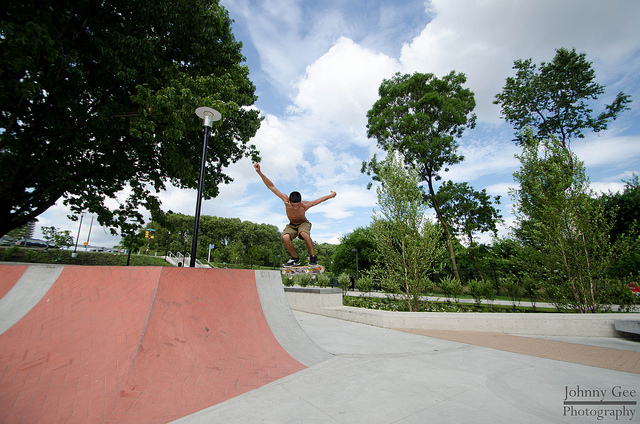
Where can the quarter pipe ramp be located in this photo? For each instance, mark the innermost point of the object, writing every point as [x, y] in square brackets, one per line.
[140, 344]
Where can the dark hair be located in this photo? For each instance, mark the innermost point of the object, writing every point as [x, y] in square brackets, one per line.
[295, 197]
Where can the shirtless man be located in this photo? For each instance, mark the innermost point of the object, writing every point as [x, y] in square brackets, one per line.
[298, 225]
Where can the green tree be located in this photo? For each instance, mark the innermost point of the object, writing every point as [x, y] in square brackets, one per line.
[421, 116]
[557, 215]
[24, 231]
[97, 97]
[57, 238]
[250, 243]
[469, 212]
[408, 244]
[174, 231]
[554, 98]
[624, 207]
[344, 258]
[132, 238]
[325, 253]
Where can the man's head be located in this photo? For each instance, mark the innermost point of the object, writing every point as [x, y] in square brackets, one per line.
[295, 197]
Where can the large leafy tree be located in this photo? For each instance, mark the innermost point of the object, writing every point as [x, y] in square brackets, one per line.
[421, 116]
[557, 214]
[408, 245]
[556, 98]
[470, 212]
[99, 96]
[344, 257]
[624, 207]
[257, 244]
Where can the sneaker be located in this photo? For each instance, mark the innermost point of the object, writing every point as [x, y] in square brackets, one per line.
[293, 262]
[313, 260]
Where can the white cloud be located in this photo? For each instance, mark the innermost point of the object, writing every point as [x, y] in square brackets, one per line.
[349, 199]
[281, 147]
[601, 187]
[501, 189]
[484, 157]
[483, 38]
[340, 87]
[608, 151]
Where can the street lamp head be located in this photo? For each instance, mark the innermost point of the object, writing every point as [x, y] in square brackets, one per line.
[208, 114]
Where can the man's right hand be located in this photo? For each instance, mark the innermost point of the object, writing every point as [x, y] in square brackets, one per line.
[257, 167]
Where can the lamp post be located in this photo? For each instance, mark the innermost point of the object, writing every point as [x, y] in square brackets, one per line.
[75, 251]
[357, 277]
[208, 115]
[86, 245]
[166, 255]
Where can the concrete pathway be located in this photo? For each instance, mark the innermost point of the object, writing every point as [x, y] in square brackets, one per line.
[385, 376]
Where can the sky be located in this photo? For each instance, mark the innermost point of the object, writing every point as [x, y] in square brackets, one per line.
[317, 67]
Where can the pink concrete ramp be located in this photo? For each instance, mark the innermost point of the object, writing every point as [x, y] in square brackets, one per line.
[9, 276]
[137, 345]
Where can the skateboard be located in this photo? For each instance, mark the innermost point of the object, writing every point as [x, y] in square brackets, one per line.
[312, 270]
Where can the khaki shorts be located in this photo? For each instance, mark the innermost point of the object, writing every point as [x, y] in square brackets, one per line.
[295, 230]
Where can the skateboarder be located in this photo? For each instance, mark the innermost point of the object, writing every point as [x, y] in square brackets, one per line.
[298, 225]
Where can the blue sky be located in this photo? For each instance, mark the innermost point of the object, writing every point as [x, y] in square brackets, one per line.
[317, 67]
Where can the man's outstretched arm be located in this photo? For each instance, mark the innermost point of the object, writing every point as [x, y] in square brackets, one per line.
[322, 199]
[269, 184]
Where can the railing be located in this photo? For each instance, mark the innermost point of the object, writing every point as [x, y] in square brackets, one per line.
[182, 260]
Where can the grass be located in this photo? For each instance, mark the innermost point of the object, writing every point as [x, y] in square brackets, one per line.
[54, 256]
[400, 305]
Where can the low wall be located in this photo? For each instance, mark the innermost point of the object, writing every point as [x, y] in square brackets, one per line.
[328, 302]
[313, 299]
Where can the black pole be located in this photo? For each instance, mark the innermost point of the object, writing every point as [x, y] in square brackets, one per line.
[357, 274]
[196, 225]
[208, 115]
[130, 248]
[77, 238]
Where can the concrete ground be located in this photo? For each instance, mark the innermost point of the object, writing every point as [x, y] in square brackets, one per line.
[386, 376]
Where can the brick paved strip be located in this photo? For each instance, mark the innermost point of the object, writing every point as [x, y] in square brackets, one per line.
[613, 359]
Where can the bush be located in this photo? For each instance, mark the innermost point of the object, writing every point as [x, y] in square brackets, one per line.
[618, 292]
[323, 280]
[9, 253]
[427, 286]
[479, 290]
[389, 285]
[451, 287]
[345, 281]
[531, 289]
[288, 282]
[512, 288]
[365, 283]
[304, 280]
